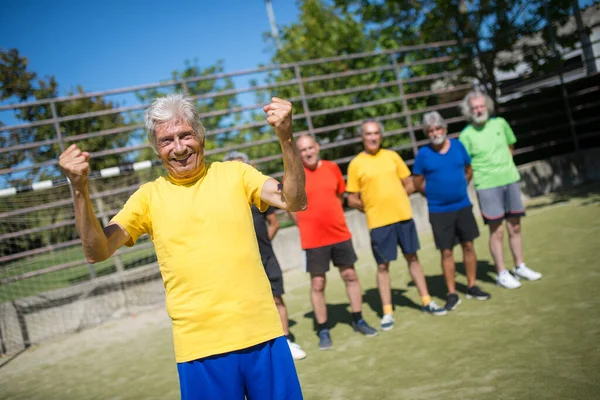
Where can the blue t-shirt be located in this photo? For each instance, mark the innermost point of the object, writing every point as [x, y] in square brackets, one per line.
[445, 180]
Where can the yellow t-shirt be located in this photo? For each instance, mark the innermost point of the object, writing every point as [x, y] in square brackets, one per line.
[377, 179]
[217, 293]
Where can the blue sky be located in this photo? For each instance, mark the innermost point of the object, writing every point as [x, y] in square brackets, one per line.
[110, 44]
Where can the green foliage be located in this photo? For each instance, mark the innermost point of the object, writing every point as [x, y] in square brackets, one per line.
[499, 33]
[322, 31]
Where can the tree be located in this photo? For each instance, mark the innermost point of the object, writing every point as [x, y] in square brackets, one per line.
[497, 34]
[20, 84]
[322, 31]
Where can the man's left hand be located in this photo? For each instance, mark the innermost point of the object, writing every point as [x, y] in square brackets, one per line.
[279, 116]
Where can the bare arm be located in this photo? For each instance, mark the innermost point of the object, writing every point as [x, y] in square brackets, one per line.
[98, 243]
[355, 201]
[408, 185]
[273, 225]
[341, 197]
[291, 196]
[469, 173]
[419, 183]
[512, 149]
[293, 217]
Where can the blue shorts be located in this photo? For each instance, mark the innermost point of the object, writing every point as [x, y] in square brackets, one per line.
[265, 371]
[386, 239]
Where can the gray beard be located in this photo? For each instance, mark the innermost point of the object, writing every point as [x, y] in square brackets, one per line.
[481, 119]
[438, 140]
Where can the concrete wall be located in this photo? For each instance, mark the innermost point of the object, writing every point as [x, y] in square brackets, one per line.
[537, 178]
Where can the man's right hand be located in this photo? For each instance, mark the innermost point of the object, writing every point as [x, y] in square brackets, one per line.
[75, 164]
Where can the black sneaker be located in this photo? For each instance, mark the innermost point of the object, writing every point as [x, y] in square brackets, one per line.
[364, 328]
[325, 342]
[452, 302]
[476, 293]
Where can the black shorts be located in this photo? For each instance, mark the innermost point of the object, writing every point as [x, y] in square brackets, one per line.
[274, 274]
[453, 227]
[316, 261]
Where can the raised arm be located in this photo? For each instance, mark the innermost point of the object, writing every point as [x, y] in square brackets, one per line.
[98, 243]
[291, 196]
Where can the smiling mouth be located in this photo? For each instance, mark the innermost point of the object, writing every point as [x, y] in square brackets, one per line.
[182, 159]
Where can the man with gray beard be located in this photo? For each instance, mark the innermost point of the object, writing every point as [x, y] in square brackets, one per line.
[490, 143]
[442, 172]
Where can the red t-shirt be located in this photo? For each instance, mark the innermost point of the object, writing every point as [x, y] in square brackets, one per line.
[323, 223]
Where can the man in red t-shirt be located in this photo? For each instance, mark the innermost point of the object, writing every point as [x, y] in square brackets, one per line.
[325, 237]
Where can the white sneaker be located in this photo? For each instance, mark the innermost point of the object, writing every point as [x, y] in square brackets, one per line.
[526, 273]
[387, 322]
[297, 352]
[506, 280]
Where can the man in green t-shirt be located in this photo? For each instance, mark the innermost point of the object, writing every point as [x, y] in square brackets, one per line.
[490, 143]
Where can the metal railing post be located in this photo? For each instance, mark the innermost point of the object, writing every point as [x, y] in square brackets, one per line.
[409, 125]
[56, 124]
[303, 97]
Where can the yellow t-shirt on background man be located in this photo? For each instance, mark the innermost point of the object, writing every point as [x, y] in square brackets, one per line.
[378, 180]
[217, 293]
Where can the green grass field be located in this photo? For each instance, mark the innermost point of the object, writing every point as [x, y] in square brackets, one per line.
[541, 341]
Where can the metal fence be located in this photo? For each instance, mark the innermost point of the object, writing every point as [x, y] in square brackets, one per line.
[403, 96]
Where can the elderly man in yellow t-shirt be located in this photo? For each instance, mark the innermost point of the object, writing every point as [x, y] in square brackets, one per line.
[227, 334]
[379, 183]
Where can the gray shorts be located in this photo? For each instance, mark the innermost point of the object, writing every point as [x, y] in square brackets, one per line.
[501, 202]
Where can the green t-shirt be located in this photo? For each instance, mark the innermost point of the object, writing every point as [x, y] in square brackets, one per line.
[492, 161]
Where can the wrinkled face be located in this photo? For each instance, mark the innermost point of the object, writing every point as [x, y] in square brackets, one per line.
[309, 152]
[436, 134]
[371, 136]
[479, 110]
[179, 148]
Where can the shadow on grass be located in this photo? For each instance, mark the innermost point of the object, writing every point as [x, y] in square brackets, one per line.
[588, 194]
[112, 269]
[336, 314]
[371, 297]
[436, 284]
[485, 271]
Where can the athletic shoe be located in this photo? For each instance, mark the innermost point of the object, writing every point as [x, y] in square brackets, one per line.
[526, 273]
[297, 352]
[452, 302]
[476, 293]
[433, 309]
[506, 280]
[364, 328]
[325, 342]
[387, 322]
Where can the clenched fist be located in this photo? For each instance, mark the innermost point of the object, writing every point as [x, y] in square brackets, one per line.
[279, 116]
[74, 163]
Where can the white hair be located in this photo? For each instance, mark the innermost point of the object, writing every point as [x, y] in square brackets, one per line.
[465, 105]
[172, 107]
[235, 155]
[370, 120]
[433, 118]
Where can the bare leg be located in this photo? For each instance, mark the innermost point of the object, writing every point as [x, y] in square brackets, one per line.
[449, 270]
[416, 273]
[384, 284]
[352, 287]
[283, 315]
[496, 239]
[513, 225]
[317, 297]
[470, 261]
